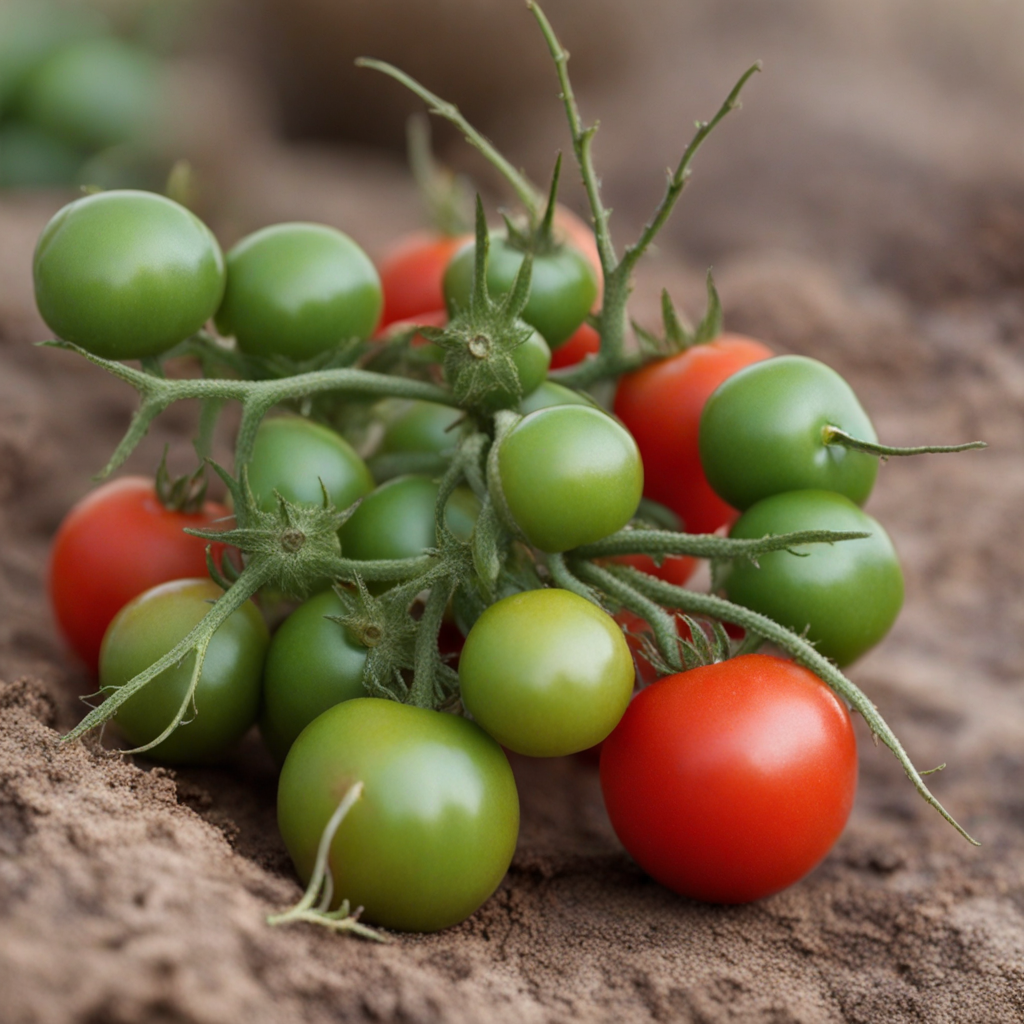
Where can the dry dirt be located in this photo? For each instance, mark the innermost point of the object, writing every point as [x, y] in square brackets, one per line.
[867, 207]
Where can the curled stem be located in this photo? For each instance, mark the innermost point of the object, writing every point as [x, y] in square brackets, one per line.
[836, 436]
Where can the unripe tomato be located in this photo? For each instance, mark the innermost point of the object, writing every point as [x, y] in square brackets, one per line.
[227, 697]
[436, 826]
[127, 274]
[570, 475]
[298, 290]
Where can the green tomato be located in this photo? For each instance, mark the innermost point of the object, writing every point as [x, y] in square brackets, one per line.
[313, 663]
[549, 393]
[33, 158]
[546, 673]
[563, 285]
[418, 426]
[532, 360]
[127, 274]
[846, 595]
[397, 520]
[94, 93]
[570, 475]
[293, 455]
[298, 290]
[227, 696]
[761, 433]
[436, 826]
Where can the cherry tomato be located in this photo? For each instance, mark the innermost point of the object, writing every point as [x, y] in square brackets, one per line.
[411, 274]
[846, 595]
[298, 290]
[586, 341]
[573, 230]
[397, 519]
[313, 663]
[562, 290]
[546, 673]
[761, 433]
[570, 475]
[118, 541]
[293, 455]
[434, 831]
[661, 406]
[127, 274]
[730, 782]
[548, 393]
[419, 426]
[227, 697]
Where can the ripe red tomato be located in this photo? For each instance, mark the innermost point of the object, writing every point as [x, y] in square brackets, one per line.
[411, 275]
[730, 782]
[115, 543]
[584, 342]
[661, 406]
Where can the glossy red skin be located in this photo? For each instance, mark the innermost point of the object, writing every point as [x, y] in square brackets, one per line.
[730, 782]
[661, 406]
[583, 343]
[411, 275]
[114, 544]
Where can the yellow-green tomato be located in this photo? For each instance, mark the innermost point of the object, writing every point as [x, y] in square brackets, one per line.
[314, 662]
[434, 831]
[227, 697]
[546, 673]
[127, 274]
[570, 475]
[293, 455]
[297, 290]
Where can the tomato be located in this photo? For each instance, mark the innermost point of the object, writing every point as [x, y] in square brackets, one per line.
[313, 663]
[573, 230]
[32, 158]
[411, 274]
[562, 290]
[436, 826]
[397, 519]
[634, 628]
[127, 274]
[846, 595]
[570, 475]
[94, 93]
[546, 673]
[730, 782]
[419, 426]
[118, 541]
[436, 318]
[293, 455]
[661, 404]
[298, 290]
[227, 697]
[549, 393]
[761, 433]
[586, 341]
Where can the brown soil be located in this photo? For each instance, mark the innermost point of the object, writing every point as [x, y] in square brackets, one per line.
[866, 208]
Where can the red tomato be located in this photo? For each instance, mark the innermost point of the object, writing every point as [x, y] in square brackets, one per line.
[411, 275]
[661, 406]
[585, 341]
[730, 782]
[115, 543]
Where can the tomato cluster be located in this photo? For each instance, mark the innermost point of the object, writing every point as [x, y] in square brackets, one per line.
[480, 557]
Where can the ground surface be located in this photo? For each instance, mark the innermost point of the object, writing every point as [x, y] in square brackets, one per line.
[866, 211]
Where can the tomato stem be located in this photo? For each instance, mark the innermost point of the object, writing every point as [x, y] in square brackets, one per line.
[831, 435]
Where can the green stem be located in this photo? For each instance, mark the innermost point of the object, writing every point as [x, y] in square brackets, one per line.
[567, 581]
[801, 651]
[382, 571]
[424, 692]
[831, 435]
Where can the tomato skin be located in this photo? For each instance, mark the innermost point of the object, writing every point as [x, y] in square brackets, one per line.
[570, 475]
[584, 342]
[846, 595]
[412, 272]
[313, 663]
[761, 433]
[730, 782]
[562, 290]
[118, 541]
[661, 404]
[420, 426]
[298, 290]
[546, 673]
[435, 829]
[127, 274]
[292, 455]
[227, 696]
